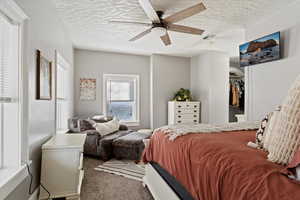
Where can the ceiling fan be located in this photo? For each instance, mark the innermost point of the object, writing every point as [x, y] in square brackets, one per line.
[161, 25]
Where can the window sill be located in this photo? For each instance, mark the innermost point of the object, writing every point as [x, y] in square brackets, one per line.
[131, 124]
[10, 178]
[62, 131]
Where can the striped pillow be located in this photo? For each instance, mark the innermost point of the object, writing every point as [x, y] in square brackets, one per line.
[259, 138]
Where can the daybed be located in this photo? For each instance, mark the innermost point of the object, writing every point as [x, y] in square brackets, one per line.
[215, 166]
[121, 144]
[96, 145]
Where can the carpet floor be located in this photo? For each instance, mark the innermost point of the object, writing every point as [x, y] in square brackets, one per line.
[99, 185]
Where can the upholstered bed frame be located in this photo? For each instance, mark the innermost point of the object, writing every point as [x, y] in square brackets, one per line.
[158, 187]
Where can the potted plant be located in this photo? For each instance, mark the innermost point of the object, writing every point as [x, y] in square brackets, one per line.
[182, 95]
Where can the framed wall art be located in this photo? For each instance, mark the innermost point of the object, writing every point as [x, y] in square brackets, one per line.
[265, 49]
[43, 77]
[87, 89]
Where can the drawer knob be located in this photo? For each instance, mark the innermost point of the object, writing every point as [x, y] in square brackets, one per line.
[179, 111]
[179, 121]
[179, 116]
[195, 120]
[179, 106]
[195, 110]
[195, 115]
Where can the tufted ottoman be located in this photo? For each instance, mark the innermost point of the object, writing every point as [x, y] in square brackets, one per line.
[131, 146]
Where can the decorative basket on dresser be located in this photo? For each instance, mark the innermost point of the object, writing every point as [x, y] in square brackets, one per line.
[62, 166]
[183, 112]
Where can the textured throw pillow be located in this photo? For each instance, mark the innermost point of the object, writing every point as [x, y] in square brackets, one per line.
[73, 125]
[102, 118]
[269, 130]
[286, 132]
[107, 127]
[259, 138]
[85, 125]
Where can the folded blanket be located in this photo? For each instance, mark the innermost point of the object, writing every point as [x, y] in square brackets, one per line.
[174, 131]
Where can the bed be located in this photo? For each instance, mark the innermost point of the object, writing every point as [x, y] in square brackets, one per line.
[216, 166]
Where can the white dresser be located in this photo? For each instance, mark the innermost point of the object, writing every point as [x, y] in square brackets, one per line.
[62, 166]
[183, 112]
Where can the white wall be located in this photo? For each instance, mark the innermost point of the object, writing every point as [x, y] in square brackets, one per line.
[168, 74]
[93, 64]
[161, 78]
[209, 84]
[43, 31]
[267, 84]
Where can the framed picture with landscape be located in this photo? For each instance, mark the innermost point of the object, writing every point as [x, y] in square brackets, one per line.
[265, 49]
[43, 77]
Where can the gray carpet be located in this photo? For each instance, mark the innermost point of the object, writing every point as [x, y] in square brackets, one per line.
[104, 186]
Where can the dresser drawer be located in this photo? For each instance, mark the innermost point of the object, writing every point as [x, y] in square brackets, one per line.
[187, 105]
[186, 111]
[187, 116]
[187, 121]
[194, 105]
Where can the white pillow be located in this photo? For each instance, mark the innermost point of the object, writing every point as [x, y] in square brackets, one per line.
[107, 127]
[97, 117]
[286, 132]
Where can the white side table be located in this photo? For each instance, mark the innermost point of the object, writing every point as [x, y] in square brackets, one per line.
[62, 166]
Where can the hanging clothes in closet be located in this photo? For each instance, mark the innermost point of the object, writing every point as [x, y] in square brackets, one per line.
[237, 93]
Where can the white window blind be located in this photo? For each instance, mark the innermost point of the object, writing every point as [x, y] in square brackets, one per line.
[13, 132]
[122, 97]
[9, 93]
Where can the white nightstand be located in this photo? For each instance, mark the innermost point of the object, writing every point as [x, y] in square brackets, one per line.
[62, 166]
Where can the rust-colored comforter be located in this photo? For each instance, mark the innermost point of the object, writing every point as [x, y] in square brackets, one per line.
[221, 166]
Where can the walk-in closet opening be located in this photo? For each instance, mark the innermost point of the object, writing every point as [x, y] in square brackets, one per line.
[236, 91]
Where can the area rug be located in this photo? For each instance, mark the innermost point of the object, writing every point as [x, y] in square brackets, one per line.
[128, 169]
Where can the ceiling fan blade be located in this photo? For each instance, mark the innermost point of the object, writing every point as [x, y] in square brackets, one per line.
[185, 29]
[129, 22]
[166, 39]
[185, 13]
[149, 10]
[141, 35]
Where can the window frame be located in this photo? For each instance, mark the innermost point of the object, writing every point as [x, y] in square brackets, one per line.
[137, 97]
[12, 175]
[11, 18]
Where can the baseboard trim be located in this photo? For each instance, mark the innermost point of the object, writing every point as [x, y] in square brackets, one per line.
[35, 194]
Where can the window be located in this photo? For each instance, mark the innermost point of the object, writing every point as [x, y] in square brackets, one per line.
[13, 134]
[62, 97]
[9, 93]
[121, 97]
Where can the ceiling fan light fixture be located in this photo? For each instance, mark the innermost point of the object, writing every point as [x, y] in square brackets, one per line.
[159, 31]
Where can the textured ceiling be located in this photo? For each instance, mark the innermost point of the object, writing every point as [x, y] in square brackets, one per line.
[88, 24]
